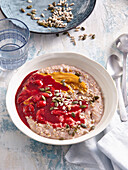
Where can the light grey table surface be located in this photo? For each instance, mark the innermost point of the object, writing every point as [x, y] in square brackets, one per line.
[17, 151]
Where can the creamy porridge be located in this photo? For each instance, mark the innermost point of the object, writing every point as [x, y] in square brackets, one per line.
[60, 102]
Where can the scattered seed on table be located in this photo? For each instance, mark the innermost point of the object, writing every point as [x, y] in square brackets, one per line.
[33, 16]
[29, 14]
[76, 30]
[82, 28]
[33, 11]
[71, 4]
[68, 34]
[72, 37]
[54, 4]
[66, 5]
[84, 37]
[93, 36]
[42, 15]
[22, 10]
[29, 6]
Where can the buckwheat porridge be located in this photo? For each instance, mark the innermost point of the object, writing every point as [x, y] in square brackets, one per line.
[60, 102]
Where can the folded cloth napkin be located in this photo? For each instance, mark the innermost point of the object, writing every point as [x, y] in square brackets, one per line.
[115, 145]
[106, 151]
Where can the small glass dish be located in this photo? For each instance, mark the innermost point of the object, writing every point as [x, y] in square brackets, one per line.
[14, 36]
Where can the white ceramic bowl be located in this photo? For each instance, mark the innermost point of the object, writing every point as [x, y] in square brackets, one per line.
[96, 70]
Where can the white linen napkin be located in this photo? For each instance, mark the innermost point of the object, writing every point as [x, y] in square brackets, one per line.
[100, 152]
[115, 145]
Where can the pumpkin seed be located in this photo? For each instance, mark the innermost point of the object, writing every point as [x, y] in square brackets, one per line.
[80, 80]
[67, 126]
[49, 92]
[47, 88]
[73, 114]
[42, 89]
[51, 108]
[77, 74]
[93, 36]
[56, 104]
[83, 106]
[75, 102]
[73, 133]
[93, 127]
[75, 130]
[82, 28]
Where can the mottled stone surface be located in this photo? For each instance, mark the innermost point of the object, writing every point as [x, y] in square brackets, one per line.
[19, 152]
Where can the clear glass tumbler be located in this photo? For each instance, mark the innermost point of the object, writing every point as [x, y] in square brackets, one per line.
[14, 36]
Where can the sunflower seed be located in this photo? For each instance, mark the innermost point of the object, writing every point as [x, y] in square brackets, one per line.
[29, 6]
[22, 10]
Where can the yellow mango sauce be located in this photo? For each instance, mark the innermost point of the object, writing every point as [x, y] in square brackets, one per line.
[72, 81]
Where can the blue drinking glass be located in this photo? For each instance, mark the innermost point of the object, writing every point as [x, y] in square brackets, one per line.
[14, 36]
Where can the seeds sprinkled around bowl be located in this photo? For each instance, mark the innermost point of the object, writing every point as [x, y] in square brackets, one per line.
[29, 6]
[61, 15]
[22, 10]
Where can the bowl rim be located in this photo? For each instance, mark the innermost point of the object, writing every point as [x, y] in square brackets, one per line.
[24, 129]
